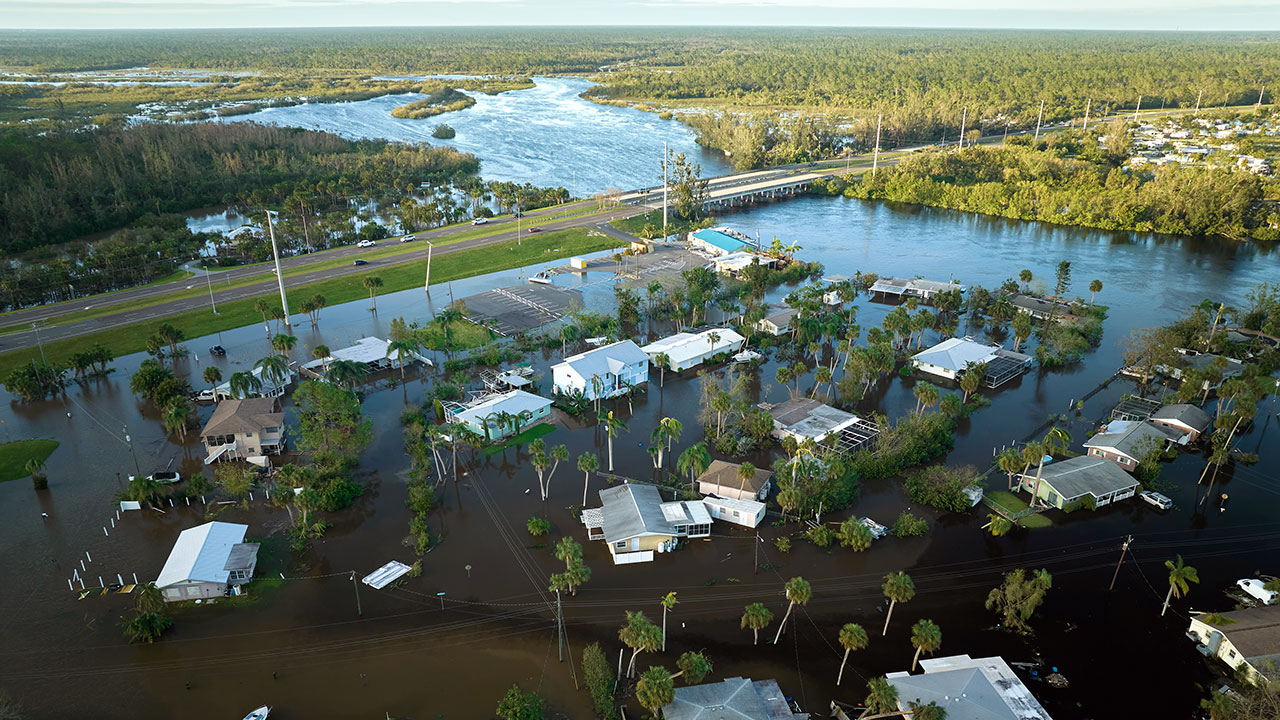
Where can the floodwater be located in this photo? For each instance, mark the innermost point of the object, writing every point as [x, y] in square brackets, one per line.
[339, 650]
[545, 135]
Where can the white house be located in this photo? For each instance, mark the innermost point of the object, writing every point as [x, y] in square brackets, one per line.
[1125, 442]
[778, 321]
[735, 264]
[748, 513]
[207, 560]
[912, 287]
[969, 689]
[952, 358]
[371, 352]
[685, 350]
[1248, 639]
[268, 388]
[241, 429]
[484, 416]
[635, 523]
[603, 372]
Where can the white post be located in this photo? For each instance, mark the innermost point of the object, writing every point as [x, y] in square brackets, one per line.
[665, 153]
[82, 565]
[113, 523]
[427, 285]
[875, 157]
[87, 556]
[209, 281]
[1087, 103]
[1137, 109]
[100, 583]
[70, 587]
[81, 581]
[119, 578]
[1198, 97]
[135, 578]
[275, 254]
[964, 117]
[1039, 116]
[104, 531]
[1258, 105]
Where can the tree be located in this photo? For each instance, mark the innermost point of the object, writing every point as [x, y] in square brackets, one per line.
[213, 375]
[694, 667]
[145, 627]
[655, 690]
[273, 369]
[757, 617]
[283, 344]
[971, 380]
[372, 283]
[640, 635]
[1021, 329]
[346, 374]
[244, 383]
[236, 480]
[852, 637]
[667, 432]
[897, 588]
[331, 425]
[668, 603]
[600, 680]
[1179, 578]
[926, 396]
[1219, 706]
[798, 593]
[587, 464]
[519, 705]
[687, 188]
[538, 526]
[35, 467]
[854, 535]
[177, 417]
[321, 353]
[403, 348]
[1063, 277]
[1056, 440]
[663, 361]
[1009, 462]
[568, 550]
[997, 524]
[612, 426]
[262, 306]
[882, 697]
[1019, 596]
[926, 637]
[1095, 287]
[1025, 276]
[694, 460]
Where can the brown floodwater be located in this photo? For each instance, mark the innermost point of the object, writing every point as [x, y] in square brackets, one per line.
[338, 650]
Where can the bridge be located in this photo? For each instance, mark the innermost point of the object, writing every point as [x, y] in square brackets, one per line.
[729, 191]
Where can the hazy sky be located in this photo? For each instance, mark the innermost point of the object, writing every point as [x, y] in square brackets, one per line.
[1092, 14]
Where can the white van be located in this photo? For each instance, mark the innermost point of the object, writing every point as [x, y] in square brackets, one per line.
[1257, 590]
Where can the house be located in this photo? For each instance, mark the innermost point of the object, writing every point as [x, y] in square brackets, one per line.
[371, 352]
[498, 415]
[778, 322]
[721, 479]
[206, 561]
[735, 264]
[748, 513]
[720, 241]
[635, 523]
[1090, 480]
[267, 386]
[685, 350]
[953, 357]
[603, 372]
[1126, 442]
[1191, 361]
[912, 287]
[808, 419]
[969, 689]
[1188, 420]
[732, 699]
[1041, 308]
[243, 428]
[1249, 639]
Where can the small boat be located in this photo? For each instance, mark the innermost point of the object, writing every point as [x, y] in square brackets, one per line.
[259, 714]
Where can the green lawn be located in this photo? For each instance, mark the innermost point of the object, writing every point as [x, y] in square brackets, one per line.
[525, 436]
[14, 456]
[538, 248]
[1014, 505]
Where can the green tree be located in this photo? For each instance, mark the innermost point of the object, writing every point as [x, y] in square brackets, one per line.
[372, 283]
[612, 426]
[694, 667]
[538, 526]
[273, 369]
[757, 617]
[897, 588]
[1095, 287]
[655, 690]
[1179, 578]
[1021, 329]
[598, 675]
[852, 637]
[403, 348]
[283, 344]
[668, 603]
[694, 460]
[926, 637]
[331, 426]
[587, 464]
[1019, 596]
[882, 697]
[798, 592]
[346, 374]
[640, 635]
[212, 375]
[518, 704]
[244, 384]
[687, 188]
[854, 535]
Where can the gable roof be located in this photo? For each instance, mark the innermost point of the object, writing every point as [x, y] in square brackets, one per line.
[604, 360]
[969, 689]
[685, 346]
[513, 402]
[201, 553]
[630, 510]
[1255, 632]
[1085, 474]
[1130, 440]
[726, 474]
[240, 416]
[781, 317]
[956, 353]
[1184, 414]
[734, 698]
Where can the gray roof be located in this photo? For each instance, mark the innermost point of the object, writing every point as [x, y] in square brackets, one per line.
[956, 354]
[1255, 632]
[1085, 474]
[969, 689]
[602, 361]
[809, 417]
[782, 316]
[731, 699]
[1184, 414]
[630, 510]
[242, 557]
[236, 417]
[726, 473]
[1133, 440]
[1203, 360]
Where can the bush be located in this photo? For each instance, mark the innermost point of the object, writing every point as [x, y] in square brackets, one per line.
[820, 535]
[854, 535]
[599, 678]
[916, 439]
[942, 487]
[783, 544]
[538, 526]
[908, 525]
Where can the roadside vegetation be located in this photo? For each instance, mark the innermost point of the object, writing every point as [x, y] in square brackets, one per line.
[22, 458]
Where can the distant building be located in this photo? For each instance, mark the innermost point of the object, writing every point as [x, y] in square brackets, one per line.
[1248, 640]
[720, 241]
[241, 429]
[721, 479]
[1090, 479]
[686, 350]
[604, 372]
[735, 264]
[778, 321]
[1187, 419]
[1041, 308]
[969, 689]
[371, 352]
[206, 561]
[732, 699]
[809, 419]
[484, 416]
[953, 357]
[634, 522]
[1193, 361]
[267, 387]
[912, 287]
[1127, 442]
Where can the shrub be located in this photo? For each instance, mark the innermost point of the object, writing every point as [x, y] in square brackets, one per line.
[854, 535]
[942, 487]
[908, 525]
[783, 544]
[599, 678]
[820, 535]
[538, 526]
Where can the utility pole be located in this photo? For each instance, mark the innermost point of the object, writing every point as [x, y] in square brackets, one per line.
[756, 571]
[1039, 116]
[964, 117]
[559, 627]
[1123, 549]
[1137, 109]
[1087, 104]
[275, 254]
[875, 158]
[209, 281]
[1258, 105]
[43, 359]
[666, 152]
[427, 285]
[129, 441]
[356, 585]
[519, 241]
[1198, 96]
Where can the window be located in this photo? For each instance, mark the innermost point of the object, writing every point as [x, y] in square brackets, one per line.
[621, 544]
[1125, 461]
[1231, 654]
[248, 434]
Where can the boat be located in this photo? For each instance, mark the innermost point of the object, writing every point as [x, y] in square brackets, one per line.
[259, 714]
[877, 530]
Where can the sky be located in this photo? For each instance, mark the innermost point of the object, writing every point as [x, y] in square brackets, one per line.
[1187, 15]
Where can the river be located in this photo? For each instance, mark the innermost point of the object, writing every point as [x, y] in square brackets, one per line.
[339, 650]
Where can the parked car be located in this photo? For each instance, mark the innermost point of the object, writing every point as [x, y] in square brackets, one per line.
[1257, 589]
[534, 229]
[408, 238]
[165, 477]
[218, 351]
[480, 221]
[1163, 502]
[366, 243]
[359, 262]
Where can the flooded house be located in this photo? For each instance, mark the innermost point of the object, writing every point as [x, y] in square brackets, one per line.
[241, 429]
[687, 350]
[954, 357]
[370, 352]
[737, 698]
[1187, 419]
[604, 372]
[969, 689]
[498, 415]
[721, 241]
[735, 264]
[1080, 481]
[808, 419]
[208, 561]
[747, 513]
[925, 290]
[1126, 442]
[778, 321]
[635, 523]
[1246, 640]
[723, 479]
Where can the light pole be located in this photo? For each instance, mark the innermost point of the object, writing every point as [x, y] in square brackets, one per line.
[427, 284]
[209, 281]
[129, 441]
[275, 254]
[40, 342]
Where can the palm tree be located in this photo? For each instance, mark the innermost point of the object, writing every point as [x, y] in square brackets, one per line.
[640, 635]
[244, 383]
[882, 698]
[403, 348]
[1219, 705]
[1095, 287]
[655, 690]
[798, 593]
[321, 353]
[667, 431]
[262, 306]
[926, 637]
[273, 368]
[926, 396]
[694, 460]
[213, 376]
[346, 373]
[176, 417]
[612, 426]
[372, 283]
[540, 463]
[663, 361]
[668, 602]
[757, 617]
[568, 551]
[283, 344]
[1010, 463]
[746, 473]
[852, 637]
[558, 453]
[1056, 440]
[587, 464]
[1179, 577]
[997, 524]
[897, 588]
[1025, 276]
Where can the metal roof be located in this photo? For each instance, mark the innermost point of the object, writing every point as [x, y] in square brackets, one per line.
[513, 402]
[201, 553]
[386, 575]
[630, 510]
[810, 418]
[969, 689]
[956, 353]
[683, 347]
[1129, 437]
[1076, 476]
[1184, 414]
[604, 360]
[726, 474]
[735, 698]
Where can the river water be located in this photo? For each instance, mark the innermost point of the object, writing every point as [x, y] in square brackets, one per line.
[338, 650]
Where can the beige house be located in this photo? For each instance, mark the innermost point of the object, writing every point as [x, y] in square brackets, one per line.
[1249, 640]
[635, 523]
[722, 480]
[243, 428]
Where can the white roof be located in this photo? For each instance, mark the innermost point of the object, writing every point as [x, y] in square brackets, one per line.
[513, 402]
[386, 575]
[688, 512]
[741, 260]
[604, 360]
[366, 350]
[684, 346]
[201, 553]
[748, 507]
[956, 353]
[970, 689]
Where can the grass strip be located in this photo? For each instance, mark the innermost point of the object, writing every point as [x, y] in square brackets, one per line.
[525, 436]
[124, 340]
[14, 456]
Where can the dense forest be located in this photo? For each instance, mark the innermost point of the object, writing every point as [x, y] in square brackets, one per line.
[1069, 179]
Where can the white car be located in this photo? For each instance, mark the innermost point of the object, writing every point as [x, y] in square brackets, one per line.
[366, 243]
[1256, 589]
[408, 238]
[1163, 502]
[480, 221]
